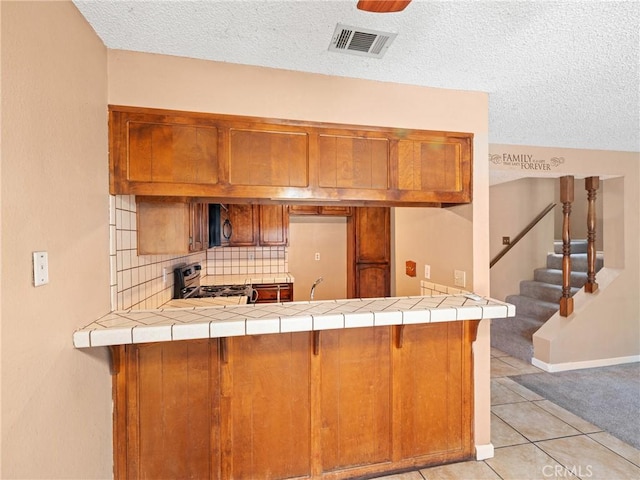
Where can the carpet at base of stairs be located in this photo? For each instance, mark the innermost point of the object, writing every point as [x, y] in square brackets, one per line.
[513, 335]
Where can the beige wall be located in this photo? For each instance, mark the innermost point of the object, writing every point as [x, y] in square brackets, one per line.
[604, 326]
[327, 236]
[194, 85]
[56, 400]
[513, 205]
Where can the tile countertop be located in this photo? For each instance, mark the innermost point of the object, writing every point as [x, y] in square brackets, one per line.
[171, 324]
[247, 278]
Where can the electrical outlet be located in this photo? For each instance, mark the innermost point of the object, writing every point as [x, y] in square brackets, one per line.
[459, 278]
[317, 256]
[427, 272]
[506, 240]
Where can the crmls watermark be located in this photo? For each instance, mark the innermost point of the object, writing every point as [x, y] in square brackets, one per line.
[559, 471]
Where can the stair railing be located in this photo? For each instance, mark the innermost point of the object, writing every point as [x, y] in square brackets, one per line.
[566, 197]
[521, 235]
[591, 184]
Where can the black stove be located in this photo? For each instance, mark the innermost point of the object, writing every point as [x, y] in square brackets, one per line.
[187, 285]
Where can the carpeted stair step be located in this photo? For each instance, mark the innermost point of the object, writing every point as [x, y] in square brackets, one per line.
[577, 246]
[514, 335]
[554, 276]
[543, 291]
[532, 307]
[578, 262]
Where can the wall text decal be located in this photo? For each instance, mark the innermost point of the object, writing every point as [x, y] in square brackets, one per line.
[525, 161]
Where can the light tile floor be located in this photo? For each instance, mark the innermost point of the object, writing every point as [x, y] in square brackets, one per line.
[536, 439]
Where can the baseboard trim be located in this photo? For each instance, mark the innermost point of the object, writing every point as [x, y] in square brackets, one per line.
[484, 451]
[603, 362]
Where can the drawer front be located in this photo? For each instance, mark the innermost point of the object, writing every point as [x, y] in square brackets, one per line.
[268, 292]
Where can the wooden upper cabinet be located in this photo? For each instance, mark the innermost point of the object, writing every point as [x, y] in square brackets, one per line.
[244, 224]
[353, 162]
[273, 225]
[438, 166]
[171, 153]
[149, 149]
[268, 158]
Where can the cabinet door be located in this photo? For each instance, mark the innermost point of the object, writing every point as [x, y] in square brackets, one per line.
[304, 209]
[266, 407]
[433, 391]
[163, 152]
[356, 407]
[439, 167]
[273, 225]
[244, 224]
[347, 161]
[198, 227]
[372, 235]
[171, 392]
[373, 280]
[336, 210]
[274, 292]
[163, 227]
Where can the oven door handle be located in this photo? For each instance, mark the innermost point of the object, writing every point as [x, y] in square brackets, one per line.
[253, 298]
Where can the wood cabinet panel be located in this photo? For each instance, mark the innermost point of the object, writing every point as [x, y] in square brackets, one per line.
[373, 280]
[172, 153]
[268, 158]
[353, 162]
[356, 407]
[431, 166]
[172, 406]
[434, 391]
[332, 210]
[266, 399]
[244, 223]
[170, 227]
[273, 225]
[274, 292]
[373, 238]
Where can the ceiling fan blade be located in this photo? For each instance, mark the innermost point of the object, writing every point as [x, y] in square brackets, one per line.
[383, 6]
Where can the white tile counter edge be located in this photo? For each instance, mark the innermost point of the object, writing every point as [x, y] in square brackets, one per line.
[173, 324]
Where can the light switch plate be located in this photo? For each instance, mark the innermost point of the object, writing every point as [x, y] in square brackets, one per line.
[459, 278]
[40, 268]
[427, 272]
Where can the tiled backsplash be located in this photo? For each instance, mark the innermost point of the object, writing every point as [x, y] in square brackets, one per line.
[430, 289]
[140, 282]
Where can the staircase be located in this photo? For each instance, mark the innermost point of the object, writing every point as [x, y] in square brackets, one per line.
[538, 300]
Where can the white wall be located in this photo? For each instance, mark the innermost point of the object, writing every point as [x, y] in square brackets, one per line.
[56, 400]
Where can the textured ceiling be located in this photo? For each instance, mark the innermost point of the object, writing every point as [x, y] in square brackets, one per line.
[560, 74]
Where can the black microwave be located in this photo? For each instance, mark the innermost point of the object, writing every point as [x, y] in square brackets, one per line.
[220, 229]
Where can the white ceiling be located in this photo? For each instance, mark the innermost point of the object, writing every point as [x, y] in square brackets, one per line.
[560, 74]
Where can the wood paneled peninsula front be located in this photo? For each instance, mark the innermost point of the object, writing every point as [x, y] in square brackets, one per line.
[328, 389]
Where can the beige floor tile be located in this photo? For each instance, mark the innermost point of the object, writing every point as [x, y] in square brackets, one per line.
[501, 369]
[568, 417]
[588, 459]
[501, 394]
[415, 475]
[498, 353]
[465, 470]
[520, 365]
[525, 462]
[533, 422]
[617, 446]
[519, 389]
[502, 435]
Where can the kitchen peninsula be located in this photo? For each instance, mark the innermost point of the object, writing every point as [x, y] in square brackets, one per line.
[326, 389]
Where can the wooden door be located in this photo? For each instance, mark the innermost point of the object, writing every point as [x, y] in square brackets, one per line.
[244, 224]
[355, 388]
[171, 396]
[434, 391]
[273, 225]
[266, 408]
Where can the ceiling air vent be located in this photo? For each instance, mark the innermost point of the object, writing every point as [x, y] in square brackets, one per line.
[360, 41]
